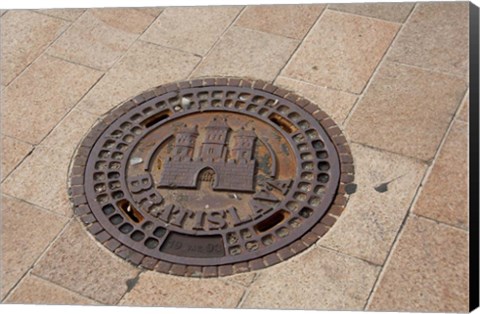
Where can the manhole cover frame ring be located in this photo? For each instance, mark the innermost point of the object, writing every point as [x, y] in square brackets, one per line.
[83, 212]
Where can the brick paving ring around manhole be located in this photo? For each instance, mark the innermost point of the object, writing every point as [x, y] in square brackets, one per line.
[211, 177]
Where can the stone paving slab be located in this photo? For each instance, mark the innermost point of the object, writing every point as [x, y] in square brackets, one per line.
[341, 51]
[436, 38]
[292, 21]
[386, 186]
[408, 108]
[249, 53]
[335, 103]
[191, 29]
[101, 36]
[318, 279]
[13, 152]
[23, 183]
[25, 34]
[394, 12]
[26, 231]
[144, 66]
[34, 290]
[155, 289]
[75, 261]
[48, 83]
[445, 194]
[428, 270]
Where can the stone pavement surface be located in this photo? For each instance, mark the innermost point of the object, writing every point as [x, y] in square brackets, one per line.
[393, 76]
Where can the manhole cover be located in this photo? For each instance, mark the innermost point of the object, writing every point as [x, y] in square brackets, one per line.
[211, 177]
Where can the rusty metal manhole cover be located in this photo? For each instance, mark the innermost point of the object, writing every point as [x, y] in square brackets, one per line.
[211, 177]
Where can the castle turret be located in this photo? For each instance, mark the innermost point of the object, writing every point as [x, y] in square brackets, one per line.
[214, 147]
[243, 147]
[185, 143]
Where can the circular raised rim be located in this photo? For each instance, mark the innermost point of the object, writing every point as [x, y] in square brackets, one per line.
[83, 211]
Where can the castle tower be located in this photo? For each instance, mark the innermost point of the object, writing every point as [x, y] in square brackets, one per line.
[243, 147]
[184, 143]
[214, 147]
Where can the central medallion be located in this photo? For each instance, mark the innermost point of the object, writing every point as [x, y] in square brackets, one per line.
[210, 177]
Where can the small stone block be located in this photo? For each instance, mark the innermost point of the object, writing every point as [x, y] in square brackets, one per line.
[225, 270]
[95, 228]
[194, 271]
[209, 271]
[178, 269]
[102, 236]
[88, 219]
[240, 267]
[285, 253]
[256, 264]
[163, 267]
[149, 262]
[320, 229]
[271, 259]
[112, 244]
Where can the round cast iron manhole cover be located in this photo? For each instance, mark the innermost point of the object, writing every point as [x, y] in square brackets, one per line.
[211, 177]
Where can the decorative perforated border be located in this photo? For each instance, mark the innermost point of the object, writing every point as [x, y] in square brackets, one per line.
[83, 212]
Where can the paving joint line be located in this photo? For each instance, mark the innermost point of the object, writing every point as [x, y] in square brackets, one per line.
[348, 255]
[417, 194]
[454, 75]
[29, 270]
[364, 16]
[30, 152]
[53, 16]
[65, 288]
[304, 38]
[383, 150]
[446, 224]
[73, 62]
[170, 48]
[383, 59]
[36, 205]
[217, 41]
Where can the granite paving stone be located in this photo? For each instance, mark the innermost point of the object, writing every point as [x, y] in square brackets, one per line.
[408, 109]
[191, 29]
[335, 103]
[394, 12]
[68, 133]
[25, 35]
[427, 272]
[48, 83]
[386, 186]
[66, 14]
[13, 152]
[444, 196]
[34, 290]
[292, 21]
[26, 231]
[341, 51]
[249, 53]
[76, 262]
[318, 279]
[143, 67]
[101, 36]
[155, 289]
[435, 37]
[27, 182]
